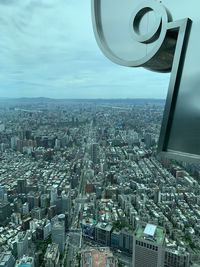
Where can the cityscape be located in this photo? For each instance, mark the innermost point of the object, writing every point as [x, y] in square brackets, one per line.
[82, 184]
[82, 180]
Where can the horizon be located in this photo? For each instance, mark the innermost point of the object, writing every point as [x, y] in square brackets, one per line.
[51, 98]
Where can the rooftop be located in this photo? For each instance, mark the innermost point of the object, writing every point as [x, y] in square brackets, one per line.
[52, 251]
[151, 233]
[104, 226]
[150, 230]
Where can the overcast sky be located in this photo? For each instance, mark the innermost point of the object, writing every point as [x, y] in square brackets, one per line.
[47, 48]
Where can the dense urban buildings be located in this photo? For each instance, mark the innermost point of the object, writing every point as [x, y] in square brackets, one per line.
[81, 183]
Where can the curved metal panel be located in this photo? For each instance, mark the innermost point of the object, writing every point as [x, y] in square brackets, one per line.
[129, 33]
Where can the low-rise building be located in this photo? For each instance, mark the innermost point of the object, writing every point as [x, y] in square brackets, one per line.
[177, 257]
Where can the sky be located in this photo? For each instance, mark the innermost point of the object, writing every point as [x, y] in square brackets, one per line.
[48, 49]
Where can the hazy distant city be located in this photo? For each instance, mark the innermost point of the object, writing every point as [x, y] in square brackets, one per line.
[81, 185]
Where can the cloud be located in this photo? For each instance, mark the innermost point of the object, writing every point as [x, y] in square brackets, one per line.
[47, 48]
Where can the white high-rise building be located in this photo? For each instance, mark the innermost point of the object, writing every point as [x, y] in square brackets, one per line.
[149, 246]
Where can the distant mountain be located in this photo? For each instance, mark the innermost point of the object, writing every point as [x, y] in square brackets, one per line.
[43, 100]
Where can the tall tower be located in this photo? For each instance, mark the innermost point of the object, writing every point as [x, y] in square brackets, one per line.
[22, 244]
[66, 202]
[2, 192]
[58, 235]
[21, 186]
[94, 150]
[149, 246]
[53, 195]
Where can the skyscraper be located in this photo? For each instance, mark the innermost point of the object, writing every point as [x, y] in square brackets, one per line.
[58, 235]
[22, 244]
[148, 246]
[2, 192]
[66, 203]
[21, 186]
[53, 195]
[5, 212]
[94, 153]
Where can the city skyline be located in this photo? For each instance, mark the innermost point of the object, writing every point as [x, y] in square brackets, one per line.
[84, 181]
[48, 49]
[79, 176]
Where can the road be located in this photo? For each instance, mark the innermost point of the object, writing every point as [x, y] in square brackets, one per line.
[74, 238]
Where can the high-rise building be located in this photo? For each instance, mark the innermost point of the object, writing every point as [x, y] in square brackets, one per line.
[27, 134]
[126, 240]
[22, 244]
[177, 257]
[103, 233]
[157, 195]
[30, 200]
[58, 204]
[148, 140]
[58, 235]
[52, 211]
[25, 208]
[44, 201]
[47, 229]
[148, 246]
[52, 255]
[53, 195]
[57, 144]
[21, 186]
[115, 239]
[13, 142]
[2, 192]
[66, 203]
[7, 259]
[88, 228]
[61, 219]
[5, 212]
[67, 221]
[94, 152]
[36, 213]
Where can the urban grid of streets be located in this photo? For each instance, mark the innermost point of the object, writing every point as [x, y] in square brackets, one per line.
[94, 161]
